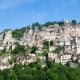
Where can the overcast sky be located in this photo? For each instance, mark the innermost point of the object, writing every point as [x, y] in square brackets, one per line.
[19, 13]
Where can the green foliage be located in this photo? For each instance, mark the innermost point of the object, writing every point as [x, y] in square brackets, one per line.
[1, 52]
[28, 49]
[46, 44]
[1, 77]
[13, 76]
[61, 23]
[18, 33]
[45, 52]
[4, 51]
[38, 25]
[74, 22]
[74, 74]
[36, 72]
[51, 43]
[32, 65]
[6, 74]
[49, 23]
[57, 50]
[33, 50]
[19, 49]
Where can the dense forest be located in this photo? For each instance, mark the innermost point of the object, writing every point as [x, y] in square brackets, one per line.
[34, 71]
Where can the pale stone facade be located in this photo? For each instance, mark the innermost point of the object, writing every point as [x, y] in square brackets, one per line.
[65, 58]
[65, 36]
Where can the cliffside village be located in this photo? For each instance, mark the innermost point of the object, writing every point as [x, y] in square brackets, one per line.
[66, 36]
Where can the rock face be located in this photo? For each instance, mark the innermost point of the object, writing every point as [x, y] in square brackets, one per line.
[27, 37]
[1, 41]
[6, 39]
[61, 34]
[66, 35]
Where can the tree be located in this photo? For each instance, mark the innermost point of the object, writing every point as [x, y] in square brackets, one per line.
[19, 49]
[51, 43]
[46, 45]
[36, 72]
[74, 73]
[33, 50]
[49, 23]
[61, 23]
[26, 77]
[4, 51]
[33, 65]
[1, 52]
[57, 50]
[28, 49]
[46, 51]
[6, 74]
[36, 24]
[1, 77]
[13, 76]
[74, 22]
[18, 33]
